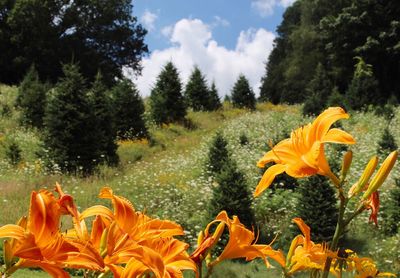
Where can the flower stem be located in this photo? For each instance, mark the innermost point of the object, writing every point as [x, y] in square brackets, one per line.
[341, 224]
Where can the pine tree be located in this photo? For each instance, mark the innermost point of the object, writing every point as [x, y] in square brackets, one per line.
[364, 88]
[197, 93]
[32, 99]
[214, 103]
[218, 154]
[129, 109]
[70, 136]
[336, 99]
[391, 211]
[387, 143]
[318, 90]
[317, 207]
[104, 120]
[166, 99]
[231, 193]
[242, 95]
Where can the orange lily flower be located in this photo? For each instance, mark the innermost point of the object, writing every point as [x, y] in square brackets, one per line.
[136, 224]
[302, 154]
[364, 267]
[38, 242]
[130, 238]
[305, 254]
[240, 245]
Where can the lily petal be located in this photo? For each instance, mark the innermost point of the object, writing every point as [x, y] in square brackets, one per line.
[268, 177]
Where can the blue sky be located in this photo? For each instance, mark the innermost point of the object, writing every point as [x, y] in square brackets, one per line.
[224, 38]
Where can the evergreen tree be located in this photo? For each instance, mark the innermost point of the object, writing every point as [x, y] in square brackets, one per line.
[391, 211]
[242, 95]
[231, 193]
[197, 93]
[336, 99]
[32, 99]
[363, 88]
[317, 207]
[166, 99]
[318, 91]
[387, 143]
[70, 136]
[214, 103]
[129, 109]
[218, 154]
[104, 120]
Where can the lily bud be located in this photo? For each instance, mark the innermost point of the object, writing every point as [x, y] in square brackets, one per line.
[348, 157]
[366, 175]
[381, 175]
[200, 238]
[7, 253]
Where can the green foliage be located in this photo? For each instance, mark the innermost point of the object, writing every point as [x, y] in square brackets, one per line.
[391, 211]
[214, 103]
[197, 93]
[31, 99]
[387, 143]
[129, 110]
[218, 154]
[242, 95]
[232, 195]
[97, 34]
[314, 32]
[336, 99]
[318, 91]
[70, 137]
[104, 121]
[13, 153]
[243, 140]
[231, 192]
[166, 99]
[317, 207]
[363, 88]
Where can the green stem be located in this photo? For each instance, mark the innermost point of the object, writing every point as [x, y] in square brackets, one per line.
[338, 231]
[200, 268]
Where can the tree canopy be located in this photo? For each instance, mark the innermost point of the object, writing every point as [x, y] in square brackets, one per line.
[333, 33]
[100, 35]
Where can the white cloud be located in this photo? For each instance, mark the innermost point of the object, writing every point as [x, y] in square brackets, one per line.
[148, 19]
[266, 7]
[192, 44]
[219, 21]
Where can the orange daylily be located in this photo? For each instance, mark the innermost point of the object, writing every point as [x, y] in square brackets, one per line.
[127, 237]
[305, 254]
[38, 242]
[240, 245]
[364, 267]
[302, 154]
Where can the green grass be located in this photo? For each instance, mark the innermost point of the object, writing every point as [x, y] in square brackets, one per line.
[167, 177]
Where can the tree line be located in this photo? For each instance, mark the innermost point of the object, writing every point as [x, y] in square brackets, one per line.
[335, 52]
[81, 120]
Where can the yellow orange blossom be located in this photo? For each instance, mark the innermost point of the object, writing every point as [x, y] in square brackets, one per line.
[305, 254]
[302, 154]
[37, 241]
[241, 243]
[127, 237]
[364, 267]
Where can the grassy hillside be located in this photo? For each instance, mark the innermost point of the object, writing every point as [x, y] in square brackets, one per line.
[167, 177]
